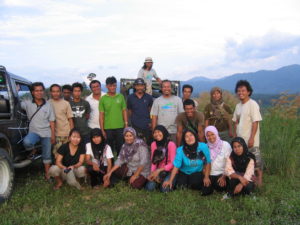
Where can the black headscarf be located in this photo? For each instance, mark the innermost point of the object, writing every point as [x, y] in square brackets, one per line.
[99, 148]
[240, 162]
[190, 150]
[165, 141]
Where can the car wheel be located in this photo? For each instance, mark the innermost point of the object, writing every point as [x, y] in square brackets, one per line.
[6, 176]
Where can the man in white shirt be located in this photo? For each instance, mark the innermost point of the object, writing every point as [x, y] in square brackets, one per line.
[94, 99]
[246, 117]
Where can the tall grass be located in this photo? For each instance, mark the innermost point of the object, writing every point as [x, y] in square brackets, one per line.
[280, 136]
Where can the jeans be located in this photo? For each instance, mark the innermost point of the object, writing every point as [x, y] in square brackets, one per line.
[115, 139]
[152, 185]
[30, 141]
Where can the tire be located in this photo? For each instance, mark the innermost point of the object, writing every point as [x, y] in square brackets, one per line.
[7, 175]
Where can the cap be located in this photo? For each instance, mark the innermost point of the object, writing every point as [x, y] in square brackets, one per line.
[148, 59]
[139, 81]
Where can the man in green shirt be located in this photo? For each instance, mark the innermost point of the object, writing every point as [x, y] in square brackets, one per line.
[113, 115]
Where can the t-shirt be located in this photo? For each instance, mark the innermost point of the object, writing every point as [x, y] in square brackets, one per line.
[246, 114]
[107, 154]
[218, 116]
[63, 112]
[188, 166]
[219, 163]
[93, 121]
[148, 75]
[40, 123]
[198, 119]
[140, 108]
[113, 107]
[166, 110]
[80, 111]
[68, 159]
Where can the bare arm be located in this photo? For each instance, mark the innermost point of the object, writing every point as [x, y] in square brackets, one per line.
[170, 181]
[201, 133]
[206, 123]
[52, 127]
[80, 162]
[71, 123]
[58, 161]
[158, 80]
[125, 118]
[154, 122]
[109, 165]
[179, 135]
[253, 132]
[101, 121]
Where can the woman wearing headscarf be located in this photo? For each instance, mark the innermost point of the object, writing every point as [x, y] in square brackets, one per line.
[163, 152]
[219, 152]
[192, 163]
[133, 162]
[98, 157]
[218, 114]
[240, 168]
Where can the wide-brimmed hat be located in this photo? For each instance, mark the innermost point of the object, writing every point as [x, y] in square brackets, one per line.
[148, 59]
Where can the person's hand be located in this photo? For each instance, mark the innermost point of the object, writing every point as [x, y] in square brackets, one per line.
[206, 181]
[53, 139]
[243, 181]
[222, 181]
[132, 179]
[250, 142]
[106, 180]
[104, 134]
[167, 183]
[151, 177]
[238, 188]
[96, 167]
[71, 167]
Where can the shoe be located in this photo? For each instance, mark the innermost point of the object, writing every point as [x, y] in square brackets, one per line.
[225, 197]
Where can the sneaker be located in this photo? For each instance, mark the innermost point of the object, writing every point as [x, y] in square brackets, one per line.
[226, 196]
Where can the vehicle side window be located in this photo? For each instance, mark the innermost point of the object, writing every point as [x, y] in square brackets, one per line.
[23, 91]
[4, 100]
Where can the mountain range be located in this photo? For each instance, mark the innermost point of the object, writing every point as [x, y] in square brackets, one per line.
[284, 79]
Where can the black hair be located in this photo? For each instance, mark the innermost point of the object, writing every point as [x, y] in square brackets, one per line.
[67, 87]
[55, 85]
[244, 83]
[93, 82]
[77, 85]
[144, 66]
[187, 86]
[166, 81]
[111, 80]
[36, 84]
[74, 130]
[188, 102]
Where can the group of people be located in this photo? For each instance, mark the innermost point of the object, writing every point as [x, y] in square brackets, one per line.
[169, 143]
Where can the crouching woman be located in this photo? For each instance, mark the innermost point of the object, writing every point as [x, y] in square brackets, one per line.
[98, 157]
[69, 160]
[192, 163]
[240, 168]
[133, 163]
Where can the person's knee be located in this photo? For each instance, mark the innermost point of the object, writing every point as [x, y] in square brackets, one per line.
[54, 171]
[27, 142]
[150, 186]
[80, 172]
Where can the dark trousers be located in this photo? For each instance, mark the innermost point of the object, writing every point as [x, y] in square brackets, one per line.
[96, 177]
[145, 134]
[245, 191]
[214, 185]
[121, 174]
[193, 181]
[115, 139]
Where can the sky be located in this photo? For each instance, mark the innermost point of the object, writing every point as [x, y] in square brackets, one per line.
[62, 41]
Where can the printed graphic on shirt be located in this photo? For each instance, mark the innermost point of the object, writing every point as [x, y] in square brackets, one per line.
[169, 106]
[78, 111]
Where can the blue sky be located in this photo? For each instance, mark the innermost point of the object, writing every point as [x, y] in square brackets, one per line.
[63, 41]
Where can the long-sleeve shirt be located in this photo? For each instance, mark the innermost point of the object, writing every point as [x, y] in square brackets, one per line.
[140, 158]
[171, 156]
[249, 171]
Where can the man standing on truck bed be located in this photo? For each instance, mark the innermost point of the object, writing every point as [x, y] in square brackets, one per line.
[41, 123]
[147, 74]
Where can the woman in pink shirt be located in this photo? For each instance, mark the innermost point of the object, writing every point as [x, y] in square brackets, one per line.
[240, 169]
[163, 152]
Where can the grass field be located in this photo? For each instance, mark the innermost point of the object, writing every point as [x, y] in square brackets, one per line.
[277, 202]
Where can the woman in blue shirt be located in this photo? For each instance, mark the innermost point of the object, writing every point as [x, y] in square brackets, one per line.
[192, 163]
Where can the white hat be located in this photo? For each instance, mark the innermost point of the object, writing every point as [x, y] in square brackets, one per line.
[148, 59]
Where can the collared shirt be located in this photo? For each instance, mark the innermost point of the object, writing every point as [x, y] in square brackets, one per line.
[40, 123]
[93, 121]
[140, 108]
